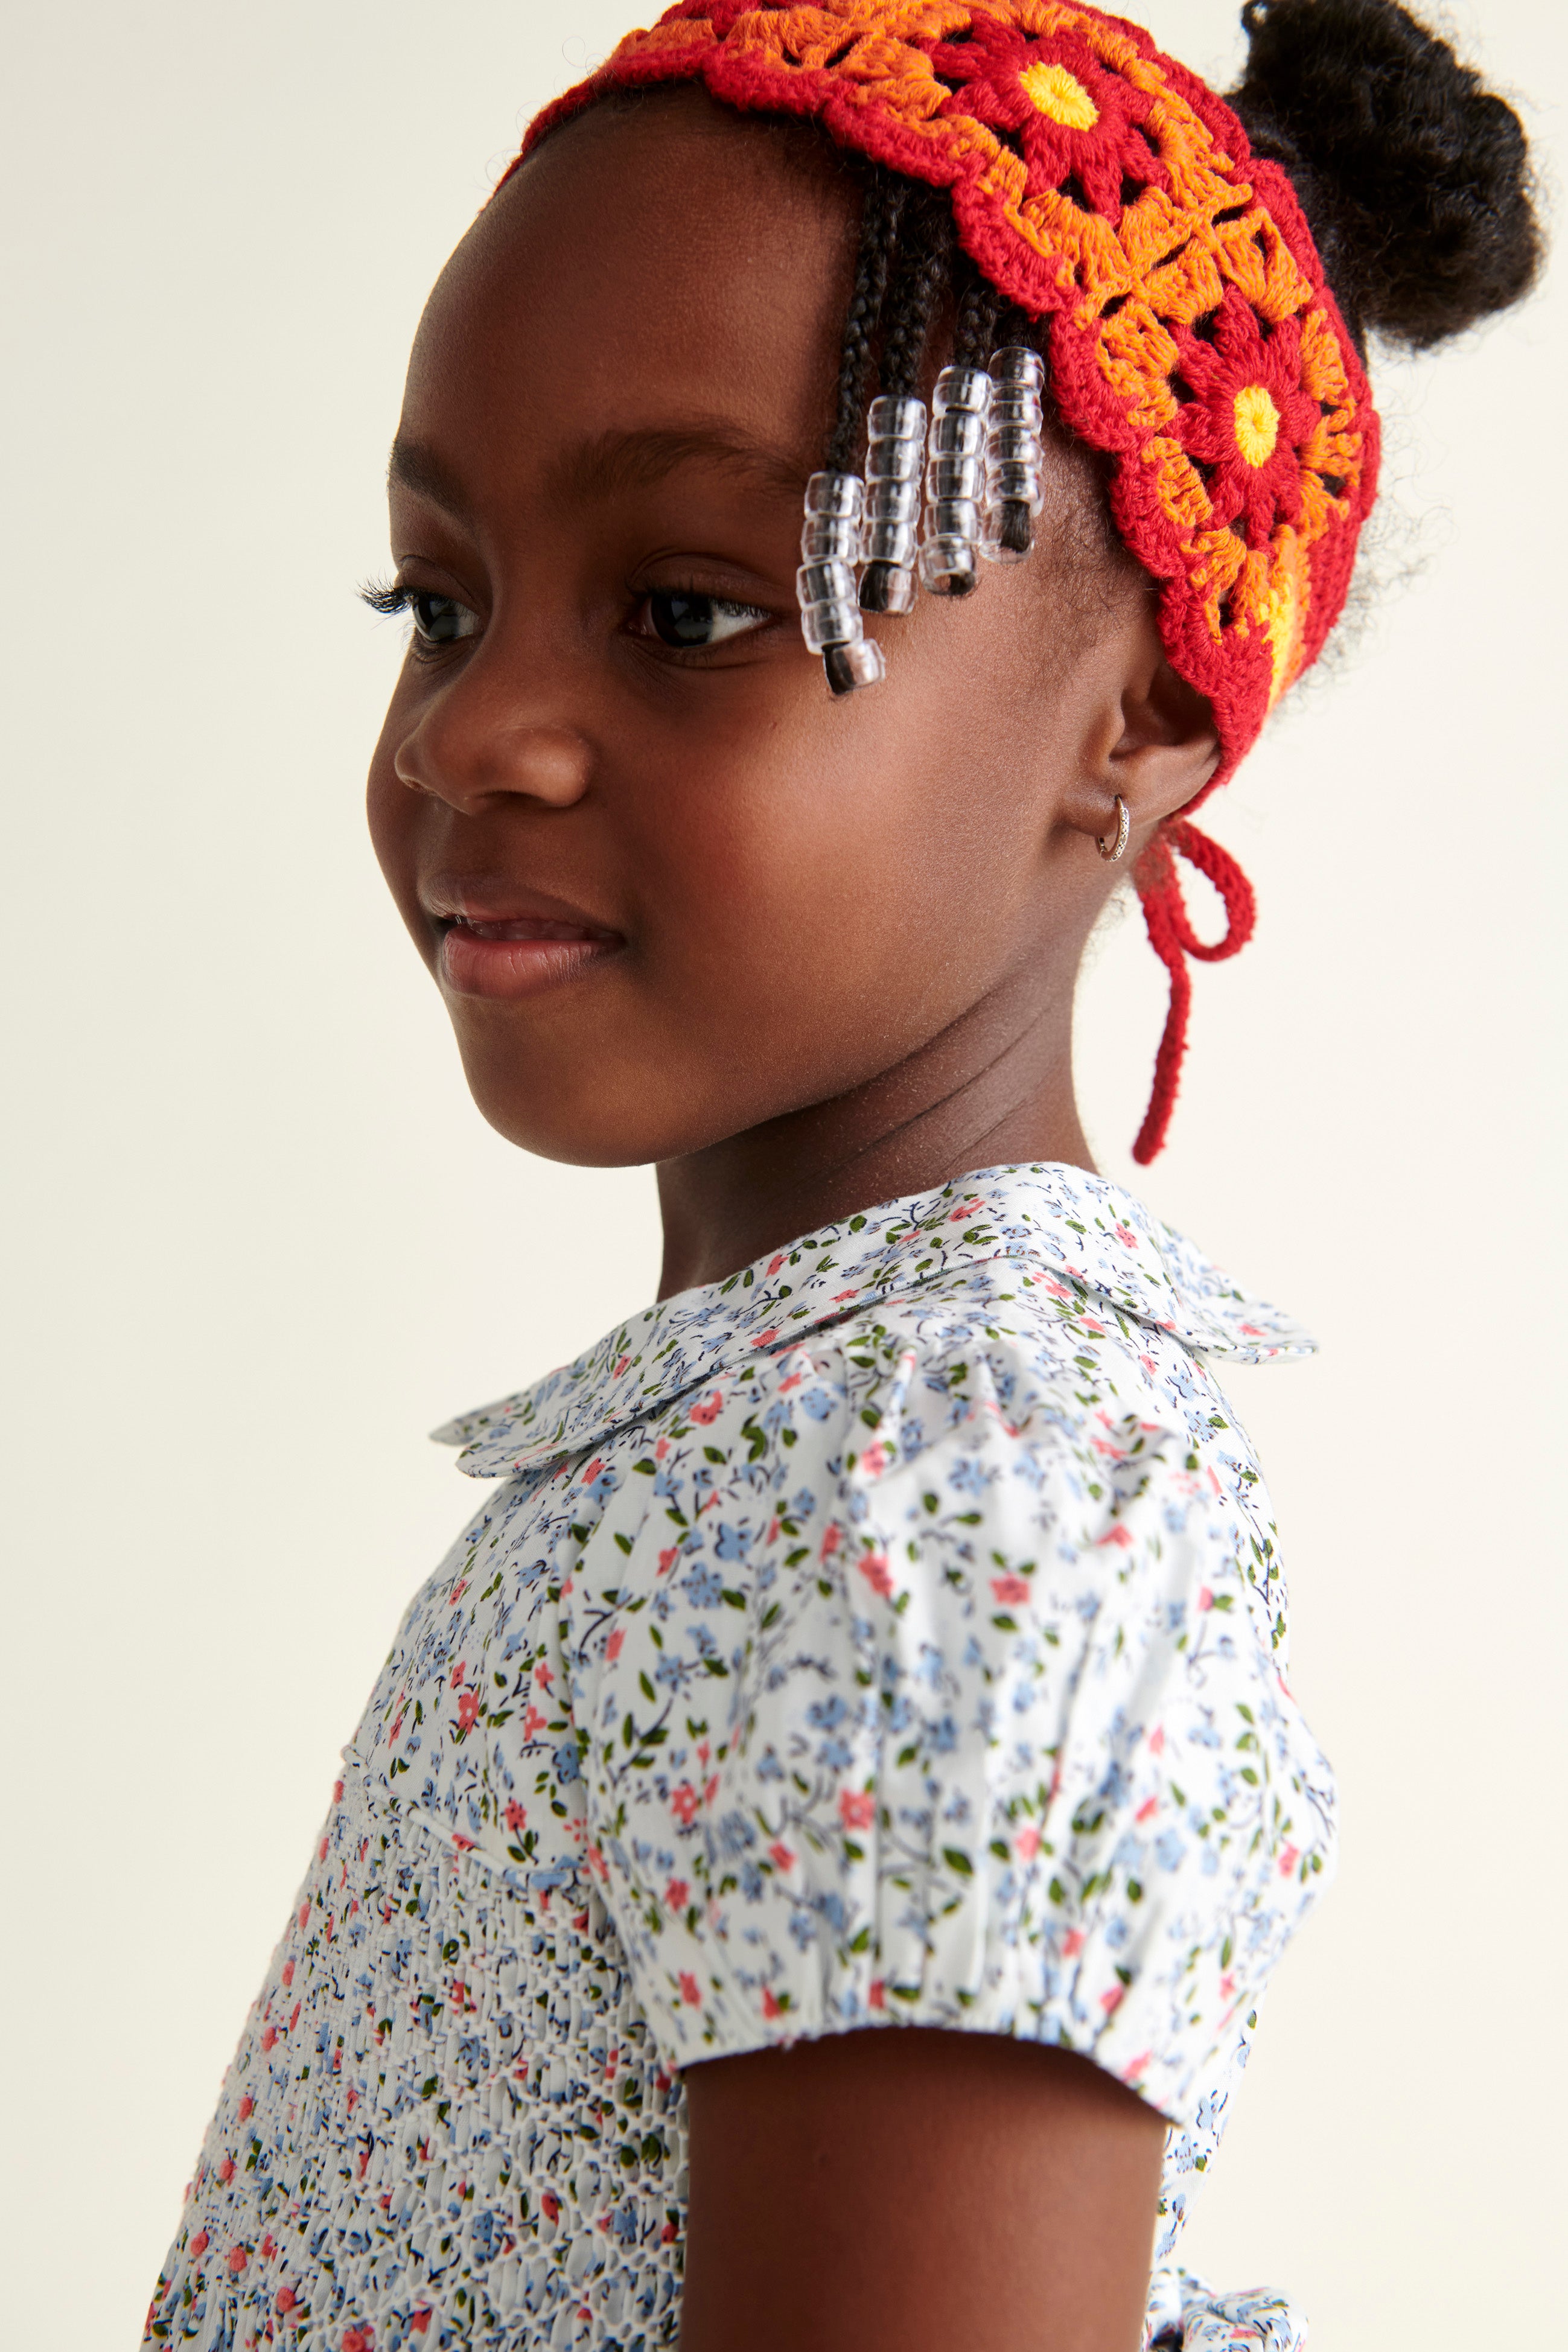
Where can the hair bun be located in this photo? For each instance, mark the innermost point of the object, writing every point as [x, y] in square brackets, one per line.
[1414, 176]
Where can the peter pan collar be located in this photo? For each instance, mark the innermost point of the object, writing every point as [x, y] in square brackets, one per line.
[1089, 1232]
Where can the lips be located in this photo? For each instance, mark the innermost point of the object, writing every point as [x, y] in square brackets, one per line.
[517, 949]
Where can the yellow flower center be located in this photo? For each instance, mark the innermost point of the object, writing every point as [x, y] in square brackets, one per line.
[1061, 95]
[1257, 425]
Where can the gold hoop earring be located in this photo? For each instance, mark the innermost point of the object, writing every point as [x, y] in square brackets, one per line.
[1123, 828]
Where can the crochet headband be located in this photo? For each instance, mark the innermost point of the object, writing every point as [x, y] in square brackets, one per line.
[1108, 193]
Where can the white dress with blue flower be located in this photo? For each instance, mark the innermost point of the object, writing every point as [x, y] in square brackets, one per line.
[892, 1634]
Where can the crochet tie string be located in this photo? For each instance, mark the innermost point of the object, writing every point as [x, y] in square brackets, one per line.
[1174, 940]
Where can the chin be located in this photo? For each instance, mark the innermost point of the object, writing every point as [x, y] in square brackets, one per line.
[593, 1124]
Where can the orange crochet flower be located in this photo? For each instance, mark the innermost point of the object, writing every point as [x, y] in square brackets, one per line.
[1050, 99]
[1244, 416]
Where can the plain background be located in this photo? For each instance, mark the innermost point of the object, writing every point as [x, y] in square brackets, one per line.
[260, 1242]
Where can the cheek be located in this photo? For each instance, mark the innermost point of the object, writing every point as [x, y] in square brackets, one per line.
[841, 892]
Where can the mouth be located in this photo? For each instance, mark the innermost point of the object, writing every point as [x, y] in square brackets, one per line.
[511, 952]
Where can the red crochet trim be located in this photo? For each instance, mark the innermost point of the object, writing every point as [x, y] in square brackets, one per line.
[1173, 939]
[1191, 337]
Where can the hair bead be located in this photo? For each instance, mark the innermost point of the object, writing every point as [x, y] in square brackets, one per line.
[824, 584]
[890, 530]
[1015, 454]
[955, 481]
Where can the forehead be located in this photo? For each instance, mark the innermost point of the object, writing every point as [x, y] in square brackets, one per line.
[647, 266]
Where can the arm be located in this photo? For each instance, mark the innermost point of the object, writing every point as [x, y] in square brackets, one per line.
[905, 2189]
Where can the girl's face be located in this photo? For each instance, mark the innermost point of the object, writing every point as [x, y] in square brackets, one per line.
[669, 886]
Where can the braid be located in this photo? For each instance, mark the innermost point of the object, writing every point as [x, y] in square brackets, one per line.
[925, 252]
[978, 304]
[886, 196]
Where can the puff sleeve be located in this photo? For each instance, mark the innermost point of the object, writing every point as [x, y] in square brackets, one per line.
[962, 1707]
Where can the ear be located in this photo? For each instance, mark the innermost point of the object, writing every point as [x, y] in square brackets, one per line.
[1154, 742]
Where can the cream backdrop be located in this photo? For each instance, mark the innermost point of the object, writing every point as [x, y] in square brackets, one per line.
[261, 1242]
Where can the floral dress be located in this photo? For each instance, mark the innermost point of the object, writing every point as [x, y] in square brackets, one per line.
[892, 1634]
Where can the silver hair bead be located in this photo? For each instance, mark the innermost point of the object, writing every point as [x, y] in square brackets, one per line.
[955, 481]
[890, 535]
[1014, 455]
[826, 584]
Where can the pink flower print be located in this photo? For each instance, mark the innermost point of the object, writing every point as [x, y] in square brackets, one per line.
[677, 1894]
[550, 2206]
[269, 2037]
[515, 1816]
[396, 1727]
[1011, 1591]
[285, 2298]
[1111, 2001]
[1072, 1943]
[874, 1461]
[1027, 1844]
[468, 1710]
[288, 1971]
[532, 1724]
[1117, 1534]
[420, 2320]
[237, 2258]
[857, 1808]
[1150, 1805]
[624, 1365]
[458, 1591]
[1124, 1233]
[874, 1567]
[613, 1646]
[781, 1857]
[1205, 1598]
[542, 1672]
[592, 1472]
[1157, 1740]
[709, 1410]
[247, 2107]
[840, 1295]
[690, 1992]
[356, 2339]
[667, 1558]
[458, 1671]
[1091, 1325]
[661, 1449]
[774, 1263]
[225, 2170]
[667, 2235]
[1289, 1859]
[200, 2244]
[337, 1792]
[710, 1788]
[596, 1863]
[322, 1851]
[683, 1804]
[772, 2005]
[1054, 1289]
[766, 1338]
[877, 1997]
[304, 1910]
[830, 1542]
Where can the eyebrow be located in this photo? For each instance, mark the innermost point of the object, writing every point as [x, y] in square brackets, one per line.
[616, 462]
[612, 464]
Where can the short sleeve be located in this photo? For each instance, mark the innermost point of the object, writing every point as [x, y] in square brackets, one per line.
[975, 1720]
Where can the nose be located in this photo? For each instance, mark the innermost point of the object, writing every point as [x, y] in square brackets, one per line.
[489, 735]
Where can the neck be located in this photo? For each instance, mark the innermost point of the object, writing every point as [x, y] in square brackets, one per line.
[993, 1087]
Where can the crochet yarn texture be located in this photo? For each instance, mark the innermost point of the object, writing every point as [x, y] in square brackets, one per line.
[1188, 331]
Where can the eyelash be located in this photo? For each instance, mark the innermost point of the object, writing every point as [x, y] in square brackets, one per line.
[394, 597]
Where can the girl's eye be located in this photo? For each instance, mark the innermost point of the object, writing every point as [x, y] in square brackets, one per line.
[439, 620]
[679, 618]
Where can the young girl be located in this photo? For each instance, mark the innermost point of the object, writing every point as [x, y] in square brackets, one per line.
[807, 1872]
